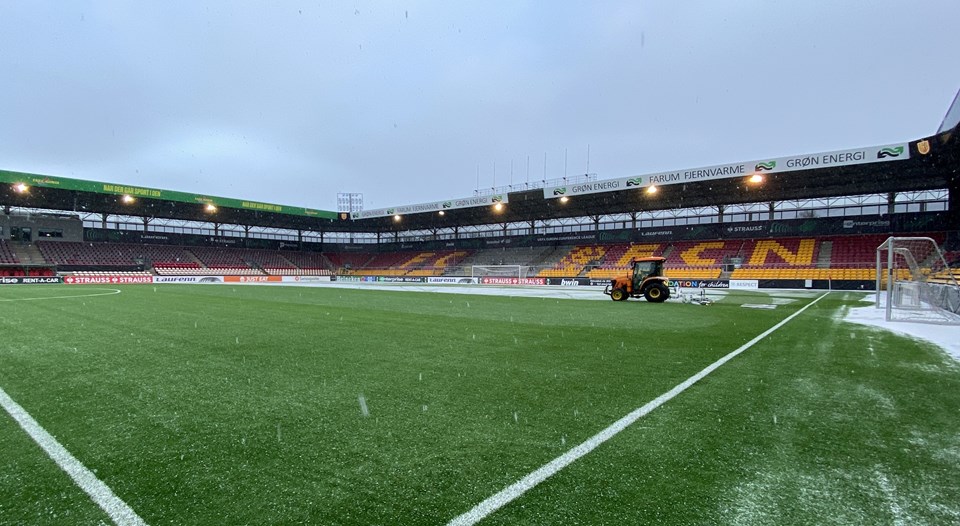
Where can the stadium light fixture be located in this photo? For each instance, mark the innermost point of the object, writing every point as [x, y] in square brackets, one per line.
[443, 213]
[498, 207]
[564, 199]
[755, 179]
[652, 189]
[211, 208]
[21, 188]
[396, 218]
[128, 199]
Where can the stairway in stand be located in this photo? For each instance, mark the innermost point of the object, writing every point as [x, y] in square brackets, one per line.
[28, 254]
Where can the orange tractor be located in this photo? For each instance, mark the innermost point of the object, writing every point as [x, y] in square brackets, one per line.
[645, 279]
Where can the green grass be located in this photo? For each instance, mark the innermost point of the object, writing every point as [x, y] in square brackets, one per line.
[239, 405]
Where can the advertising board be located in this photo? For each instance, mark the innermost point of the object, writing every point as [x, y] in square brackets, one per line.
[107, 280]
[188, 279]
[459, 280]
[493, 280]
[28, 280]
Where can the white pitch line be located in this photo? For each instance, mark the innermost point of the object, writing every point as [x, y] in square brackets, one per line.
[508, 494]
[99, 492]
[113, 292]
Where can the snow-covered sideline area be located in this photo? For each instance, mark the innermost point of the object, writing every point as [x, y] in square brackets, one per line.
[945, 336]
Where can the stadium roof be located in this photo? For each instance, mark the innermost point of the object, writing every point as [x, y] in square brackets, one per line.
[62, 193]
[929, 163]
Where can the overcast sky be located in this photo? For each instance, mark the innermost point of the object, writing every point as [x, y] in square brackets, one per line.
[292, 102]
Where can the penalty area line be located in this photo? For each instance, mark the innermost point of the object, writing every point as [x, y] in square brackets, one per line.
[100, 493]
[515, 490]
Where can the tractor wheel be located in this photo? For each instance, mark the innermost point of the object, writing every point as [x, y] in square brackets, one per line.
[618, 295]
[657, 293]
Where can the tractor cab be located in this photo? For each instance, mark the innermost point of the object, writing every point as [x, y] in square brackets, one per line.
[645, 268]
[645, 280]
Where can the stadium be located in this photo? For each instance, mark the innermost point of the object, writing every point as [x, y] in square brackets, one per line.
[441, 363]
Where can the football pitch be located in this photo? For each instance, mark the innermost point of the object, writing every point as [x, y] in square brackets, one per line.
[220, 404]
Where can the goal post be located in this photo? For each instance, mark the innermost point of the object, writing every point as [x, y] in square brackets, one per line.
[500, 271]
[914, 282]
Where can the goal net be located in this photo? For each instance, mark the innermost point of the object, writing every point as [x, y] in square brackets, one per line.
[500, 271]
[914, 282]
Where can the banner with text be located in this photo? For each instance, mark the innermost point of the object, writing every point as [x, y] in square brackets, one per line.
[451, 280]
[188, 279]
[106, 280]
[492, 280]
[699, 283]
[307, 279]
[252, 279]
[875, 154]
[436, 206]
[27, 280]
[578, 282]
[66, 183]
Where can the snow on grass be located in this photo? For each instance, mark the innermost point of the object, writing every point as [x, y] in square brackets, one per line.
[761, 499]
[946, 337]
[881, 399]
[900, 518]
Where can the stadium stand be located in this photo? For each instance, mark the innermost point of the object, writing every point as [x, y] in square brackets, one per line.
[111, 273]
[700, 259]
[162, 254]
[310, 263]
[343, 262]
[111, 254]
[617, 259]
[700, 254]
[404, 263]
[783, 258]
[854, 251]
[528, 257]
[244, 261]
[179, 269]
[266, 259]
[86, 254]
[575, 261]
[433, 263]
[298, 272]
[383, 264]
[220, 258]
[824, 258]
[277, 263]
[228, 261]
[952, 257]
[7, 256]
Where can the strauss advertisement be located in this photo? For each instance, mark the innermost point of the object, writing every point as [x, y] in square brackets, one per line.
[106, 280]
[491, 280]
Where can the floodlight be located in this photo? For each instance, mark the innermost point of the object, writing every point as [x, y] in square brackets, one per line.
[652, 189]
[21, 188]
[128, 199]
[564, 199]
[396, 217]
[442, 212]
[755, 179]
[498, 207]
[211, 208]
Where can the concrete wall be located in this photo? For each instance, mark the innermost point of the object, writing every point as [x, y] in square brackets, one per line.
[72, 228]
